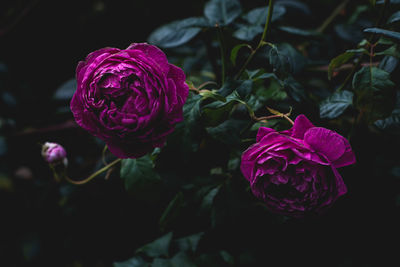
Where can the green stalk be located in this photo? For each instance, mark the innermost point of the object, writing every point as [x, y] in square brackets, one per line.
[222, 51]
[93, 175]
[262, 40]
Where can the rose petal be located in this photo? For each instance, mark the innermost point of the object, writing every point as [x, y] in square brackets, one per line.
[153, 53]
[262, 131]
[341, 187]
[326, 142]
[300, 127]
[347, 158]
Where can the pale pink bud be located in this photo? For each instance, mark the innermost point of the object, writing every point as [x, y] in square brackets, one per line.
[54, 153]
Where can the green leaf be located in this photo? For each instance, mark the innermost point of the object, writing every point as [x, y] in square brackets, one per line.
[132, 262]
[222, 12]
[216, 112]
[208, 199]
[294, 89]
[391, 51]
[336, 104]
[285, 59]
[339, 61]
[387, 33]
[172, 211]
[235, 52]
[189, 243]
[255, 22]
[389, 64]
[140, 177]
[258, 16]
[228, 258]
[373, 2]
[248, 32]
[298, 31]
[390, 124]
[211, 94]
[394, 17]
[66, 90]
[243, 87]
[157, 248]
[374, 92]
[191, 126]
[182, 259]
[228, 131]
[177, 33]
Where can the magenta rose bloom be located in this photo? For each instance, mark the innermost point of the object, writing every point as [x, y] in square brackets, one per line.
[294, 171]
[129, 98]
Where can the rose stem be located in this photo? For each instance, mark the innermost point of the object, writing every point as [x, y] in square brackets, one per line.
[222, 51]
[262, 40]
[93, 175]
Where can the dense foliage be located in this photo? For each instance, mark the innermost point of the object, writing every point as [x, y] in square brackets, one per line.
[187, 203]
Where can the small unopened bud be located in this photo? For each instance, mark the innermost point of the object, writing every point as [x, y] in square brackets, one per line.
[54, 154]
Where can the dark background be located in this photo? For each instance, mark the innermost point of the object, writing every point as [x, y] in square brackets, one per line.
[40, 45]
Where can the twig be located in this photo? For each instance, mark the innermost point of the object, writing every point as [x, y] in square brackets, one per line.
[332, 16]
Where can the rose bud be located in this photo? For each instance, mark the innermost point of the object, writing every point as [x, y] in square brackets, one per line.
[132, 98]
[294, 172]
[54, 154]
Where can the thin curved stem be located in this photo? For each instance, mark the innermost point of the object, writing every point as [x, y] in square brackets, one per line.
[222, 51]
[93, 175]
[262, 40]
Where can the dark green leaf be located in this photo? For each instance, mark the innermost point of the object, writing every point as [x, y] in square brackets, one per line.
[248, 32]
[172, 210]
[139, 176]
[243, 87]
[211, 94]
[189, 243]
[208, 199]
[387, 33]
[228, 131]
[133, 262]
[336, 104]
[191, 126]
[285, 59]
[349, 32]
[258, 16]
[296, 4]
[222, 12]
[338, 61]
[389, 64]
[391, 51]
[298, 31]
[182, 259]
[159, 262]
[66, 90]
[374, 91]
[279, 61]
[235, 52]
[294, 89]
[216, 112]
[394, 17]
[228, 258]
[177, 33]
[390, 124]
[256, 19]
[157, 248]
